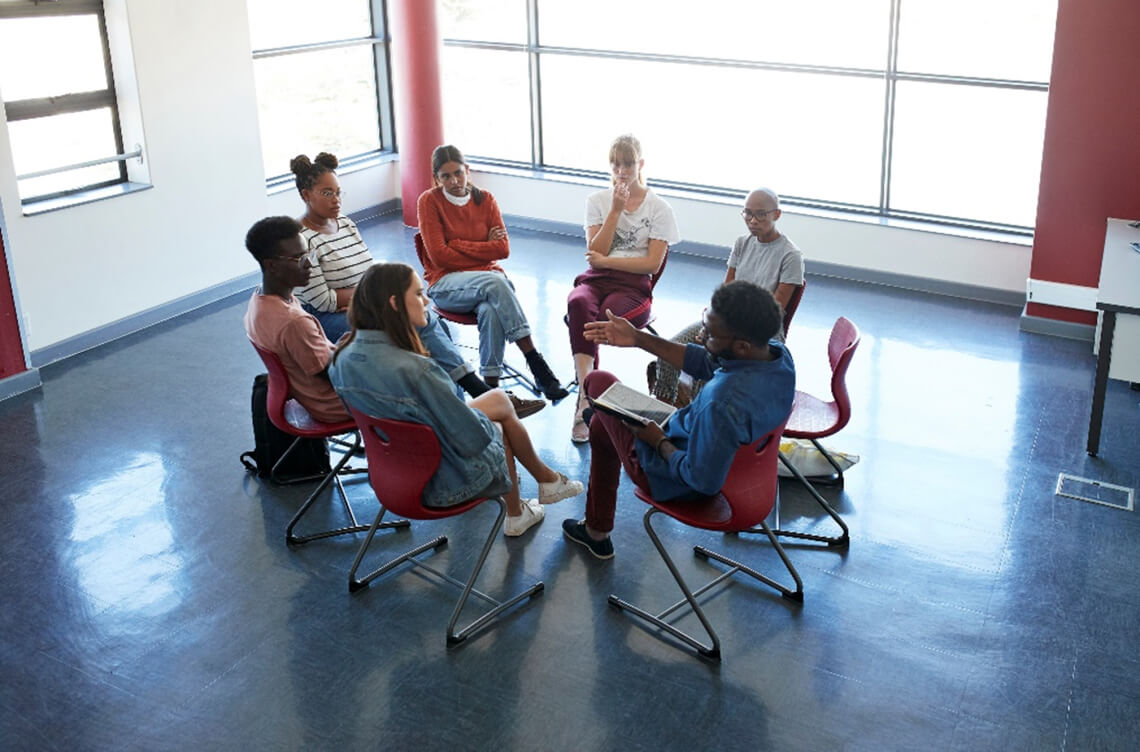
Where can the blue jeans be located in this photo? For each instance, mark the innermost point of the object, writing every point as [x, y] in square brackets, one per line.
[492, 297]
[435, 336]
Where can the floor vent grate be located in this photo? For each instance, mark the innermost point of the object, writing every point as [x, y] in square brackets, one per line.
[1094, 492]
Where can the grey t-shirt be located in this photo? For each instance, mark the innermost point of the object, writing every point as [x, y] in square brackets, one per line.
[767, 264]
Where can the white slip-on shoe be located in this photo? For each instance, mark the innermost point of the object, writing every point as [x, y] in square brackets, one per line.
[532, 514]
[560, 489]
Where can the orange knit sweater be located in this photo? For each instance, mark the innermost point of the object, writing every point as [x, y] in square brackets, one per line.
[455, 237]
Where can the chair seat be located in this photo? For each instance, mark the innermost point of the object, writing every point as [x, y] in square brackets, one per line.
[306, 425]
[709, 513]
[811, 417]
[471, 318]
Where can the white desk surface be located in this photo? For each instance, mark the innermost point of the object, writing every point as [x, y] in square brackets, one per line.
[1120, 269]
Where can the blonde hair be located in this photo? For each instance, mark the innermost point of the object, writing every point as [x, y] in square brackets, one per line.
[626, 149]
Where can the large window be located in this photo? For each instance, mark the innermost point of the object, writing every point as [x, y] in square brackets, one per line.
[59, 97]
[322, 81]
[898, 108]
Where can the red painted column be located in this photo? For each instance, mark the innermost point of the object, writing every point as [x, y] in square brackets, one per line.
[416, 91]
[11, 345]
[1092, 148]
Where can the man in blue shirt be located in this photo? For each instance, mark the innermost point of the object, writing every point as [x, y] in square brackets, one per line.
[751, 384]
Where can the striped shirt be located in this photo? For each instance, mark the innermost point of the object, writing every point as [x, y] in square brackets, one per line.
[342, 259]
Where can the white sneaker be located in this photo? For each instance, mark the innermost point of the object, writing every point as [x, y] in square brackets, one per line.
[557, 490]
[532, 514]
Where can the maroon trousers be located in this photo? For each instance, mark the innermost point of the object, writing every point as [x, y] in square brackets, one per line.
[595, 291]
[611, 448]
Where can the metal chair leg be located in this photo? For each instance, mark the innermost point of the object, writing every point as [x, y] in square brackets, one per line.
[838, 479]
[796, 595]
[334, 477]
[468, 587]
[708, 651]
[835, 541]
[690, 599]
[454, 637]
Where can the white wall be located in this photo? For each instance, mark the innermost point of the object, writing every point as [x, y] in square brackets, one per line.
[81, 268]
[87, 266]
[861, 244]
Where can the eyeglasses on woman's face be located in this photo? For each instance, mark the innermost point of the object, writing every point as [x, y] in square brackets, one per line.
[759, 215]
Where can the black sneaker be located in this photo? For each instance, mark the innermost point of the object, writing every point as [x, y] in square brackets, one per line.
[549, 384]
[524, 408]
[575, 530]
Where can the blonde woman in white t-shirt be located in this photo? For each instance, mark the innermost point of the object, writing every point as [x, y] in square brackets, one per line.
[628, 232]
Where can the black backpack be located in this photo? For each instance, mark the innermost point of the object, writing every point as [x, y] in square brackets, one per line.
[310, 459]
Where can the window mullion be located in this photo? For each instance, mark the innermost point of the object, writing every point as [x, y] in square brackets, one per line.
[890, 79]
[535, 80]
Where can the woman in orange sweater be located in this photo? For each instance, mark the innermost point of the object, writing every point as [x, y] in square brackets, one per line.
[464, 238]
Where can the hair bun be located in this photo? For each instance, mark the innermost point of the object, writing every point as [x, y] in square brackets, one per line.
[327, 160]
[300, 164]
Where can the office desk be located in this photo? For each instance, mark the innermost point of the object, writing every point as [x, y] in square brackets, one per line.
[1118, 298]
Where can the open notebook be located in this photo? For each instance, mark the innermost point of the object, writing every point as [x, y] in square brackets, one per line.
[632, 406]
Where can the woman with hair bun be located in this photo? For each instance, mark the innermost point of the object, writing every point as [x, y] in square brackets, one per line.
[380, 369]
[342, 259]
[342, 256]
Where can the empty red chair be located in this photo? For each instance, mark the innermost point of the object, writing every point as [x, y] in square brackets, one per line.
[747, 498]
[402, 458]
[813, 419]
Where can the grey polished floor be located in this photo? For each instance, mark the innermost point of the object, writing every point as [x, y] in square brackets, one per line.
[149, 600]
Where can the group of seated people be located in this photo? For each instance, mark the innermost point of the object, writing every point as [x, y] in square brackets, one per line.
[394, 359]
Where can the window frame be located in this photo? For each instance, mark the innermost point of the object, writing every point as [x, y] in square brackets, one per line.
[381, 50]
[28, 109]
[889, 73]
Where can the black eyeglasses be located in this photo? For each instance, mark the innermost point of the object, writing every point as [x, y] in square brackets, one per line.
[757, 215]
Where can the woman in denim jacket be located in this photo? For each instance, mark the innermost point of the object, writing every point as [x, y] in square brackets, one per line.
[381, 368]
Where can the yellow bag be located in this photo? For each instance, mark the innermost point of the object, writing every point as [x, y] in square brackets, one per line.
[808, 460]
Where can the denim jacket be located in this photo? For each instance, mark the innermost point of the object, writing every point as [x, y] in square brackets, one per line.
[376, 377]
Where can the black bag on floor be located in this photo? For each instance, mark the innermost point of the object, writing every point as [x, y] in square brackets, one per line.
[310, 458]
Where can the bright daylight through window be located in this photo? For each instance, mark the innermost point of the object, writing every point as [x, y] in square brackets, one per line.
[897, 108]
[59, 97]
[321, 73]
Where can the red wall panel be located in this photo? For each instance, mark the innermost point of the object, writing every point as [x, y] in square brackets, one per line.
[11, 347]
[1091, 163]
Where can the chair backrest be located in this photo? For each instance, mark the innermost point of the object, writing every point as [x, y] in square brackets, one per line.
[421, 249]
[793, 304]
[840, 349]
[278, 393]
[402, 458]
[750, 488]
[656, 276]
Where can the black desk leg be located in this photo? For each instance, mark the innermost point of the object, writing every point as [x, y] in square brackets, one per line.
[1104, 355]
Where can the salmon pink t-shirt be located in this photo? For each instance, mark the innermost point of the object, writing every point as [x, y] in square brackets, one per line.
[282, 327]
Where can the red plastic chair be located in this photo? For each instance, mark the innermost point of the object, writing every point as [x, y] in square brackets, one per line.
[813, 419]
[793, 304]
[470, 318]
[647, 305]
[747, 498]
[402, 458]
[289, 416]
